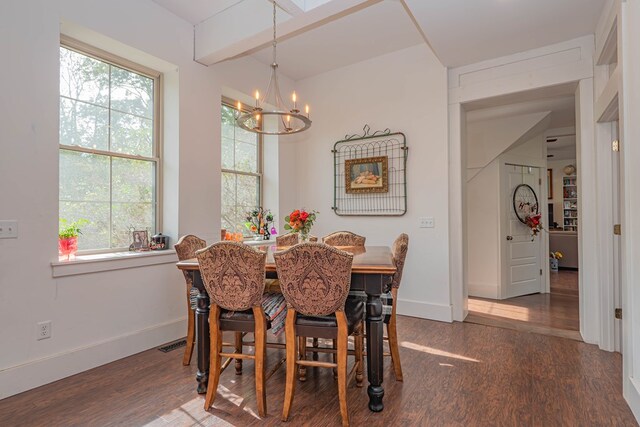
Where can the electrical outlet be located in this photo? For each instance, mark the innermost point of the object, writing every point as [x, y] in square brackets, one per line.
[8, 229]
[427, 222]
[44, 330]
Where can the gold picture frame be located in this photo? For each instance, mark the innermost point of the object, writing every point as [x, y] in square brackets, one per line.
[366, 175]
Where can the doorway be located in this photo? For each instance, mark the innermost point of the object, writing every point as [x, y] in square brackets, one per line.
[508, 266]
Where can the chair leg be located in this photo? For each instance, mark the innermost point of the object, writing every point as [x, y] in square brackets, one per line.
[358, 342]
[342, 365]
[302, 352]
[393, 339]
[260, 355]
[238, 346]
[334, 345]
[290, 337]
[191, 335]
[214, 359]
[315, 344]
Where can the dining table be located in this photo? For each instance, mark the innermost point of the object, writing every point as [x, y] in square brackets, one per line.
[372, 271]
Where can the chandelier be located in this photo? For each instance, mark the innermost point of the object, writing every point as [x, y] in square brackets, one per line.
[279, 121]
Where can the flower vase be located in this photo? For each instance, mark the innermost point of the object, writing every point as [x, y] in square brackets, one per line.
[303, 236]
[67, 248]
[553, 264]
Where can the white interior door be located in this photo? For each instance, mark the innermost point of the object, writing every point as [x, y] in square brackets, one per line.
[522, 253]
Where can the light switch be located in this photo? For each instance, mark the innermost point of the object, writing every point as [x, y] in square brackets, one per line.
[427, 222]
[8, 229]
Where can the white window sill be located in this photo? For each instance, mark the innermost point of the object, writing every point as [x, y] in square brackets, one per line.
[85, 264]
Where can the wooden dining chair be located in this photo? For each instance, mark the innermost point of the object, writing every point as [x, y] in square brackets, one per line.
[344, 238]
[186, 249]
[291, 239]
[315, 280]
[288, 239]
[400, 249]
[233, 275]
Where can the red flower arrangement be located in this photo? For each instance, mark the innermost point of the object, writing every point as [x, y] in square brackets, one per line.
[534, 223]
[300, 221]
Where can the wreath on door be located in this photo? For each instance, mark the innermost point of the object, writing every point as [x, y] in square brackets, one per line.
[527, 208]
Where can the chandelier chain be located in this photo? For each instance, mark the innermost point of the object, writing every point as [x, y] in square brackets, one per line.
[274, 32]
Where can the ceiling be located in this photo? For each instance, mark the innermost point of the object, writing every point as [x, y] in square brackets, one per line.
[460, 31]
[382, 28]
[196, 11]
[468, 31]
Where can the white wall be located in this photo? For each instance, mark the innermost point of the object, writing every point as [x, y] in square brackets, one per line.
[102, 316]
[404, 91]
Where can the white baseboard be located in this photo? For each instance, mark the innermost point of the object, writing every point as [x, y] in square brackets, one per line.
[42, 371]
[425, 310]
[483, 291]
[631, 392]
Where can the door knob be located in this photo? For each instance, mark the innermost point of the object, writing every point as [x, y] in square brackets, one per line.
[509, 237]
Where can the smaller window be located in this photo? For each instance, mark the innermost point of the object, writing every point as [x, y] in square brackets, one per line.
[241, 170]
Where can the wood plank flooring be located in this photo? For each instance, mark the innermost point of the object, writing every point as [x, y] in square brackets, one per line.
[456, 374]
[555, 314]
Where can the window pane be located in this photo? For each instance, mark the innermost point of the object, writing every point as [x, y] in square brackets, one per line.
[133, 199]
[247, 190]
[229, 219]
[95, 234]
[128, 216]
[131, 93]
[131, 134]
[246, 158]
[246, 136]
[83, 78]
[84, 177]
[83, 124]
[84, 194]
[228, 121]
[228, 153]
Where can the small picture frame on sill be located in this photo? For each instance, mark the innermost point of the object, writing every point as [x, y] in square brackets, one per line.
[139, 241]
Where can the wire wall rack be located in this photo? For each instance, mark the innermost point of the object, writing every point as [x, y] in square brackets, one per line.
[370, 174]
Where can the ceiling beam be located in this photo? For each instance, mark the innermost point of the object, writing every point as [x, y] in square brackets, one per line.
[247, 27]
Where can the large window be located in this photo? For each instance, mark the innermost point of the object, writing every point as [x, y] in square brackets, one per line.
[109, 149]
[241, 171]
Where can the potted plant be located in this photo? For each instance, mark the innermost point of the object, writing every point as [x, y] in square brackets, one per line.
[300, 221]
[68, 237]
[554, 257]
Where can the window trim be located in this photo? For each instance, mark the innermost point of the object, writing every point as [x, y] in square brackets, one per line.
[158, 120]
[227, 102]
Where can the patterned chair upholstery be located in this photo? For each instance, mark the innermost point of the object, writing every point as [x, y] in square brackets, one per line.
[288, 239]
[344, 238]
[186, 249]
[233, 275]
[315, 279]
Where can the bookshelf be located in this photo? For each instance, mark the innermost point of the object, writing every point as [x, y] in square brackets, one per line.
[570, 203]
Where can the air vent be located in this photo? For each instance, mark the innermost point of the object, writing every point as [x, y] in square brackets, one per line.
[173, 346]
[552, 139]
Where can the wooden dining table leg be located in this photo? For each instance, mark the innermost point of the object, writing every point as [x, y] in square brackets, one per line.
[202, 333]
[375, 365]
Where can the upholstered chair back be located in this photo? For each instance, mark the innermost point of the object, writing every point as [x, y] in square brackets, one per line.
[314, 278]
[288, 239]
[344, 238]
[233, 274]
[186, 249]
[400, 248]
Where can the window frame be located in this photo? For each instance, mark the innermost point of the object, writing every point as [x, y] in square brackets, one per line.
[228, 102]
[157, 77]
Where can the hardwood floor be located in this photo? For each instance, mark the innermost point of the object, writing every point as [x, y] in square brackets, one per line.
[555, 314]
[456, 374]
